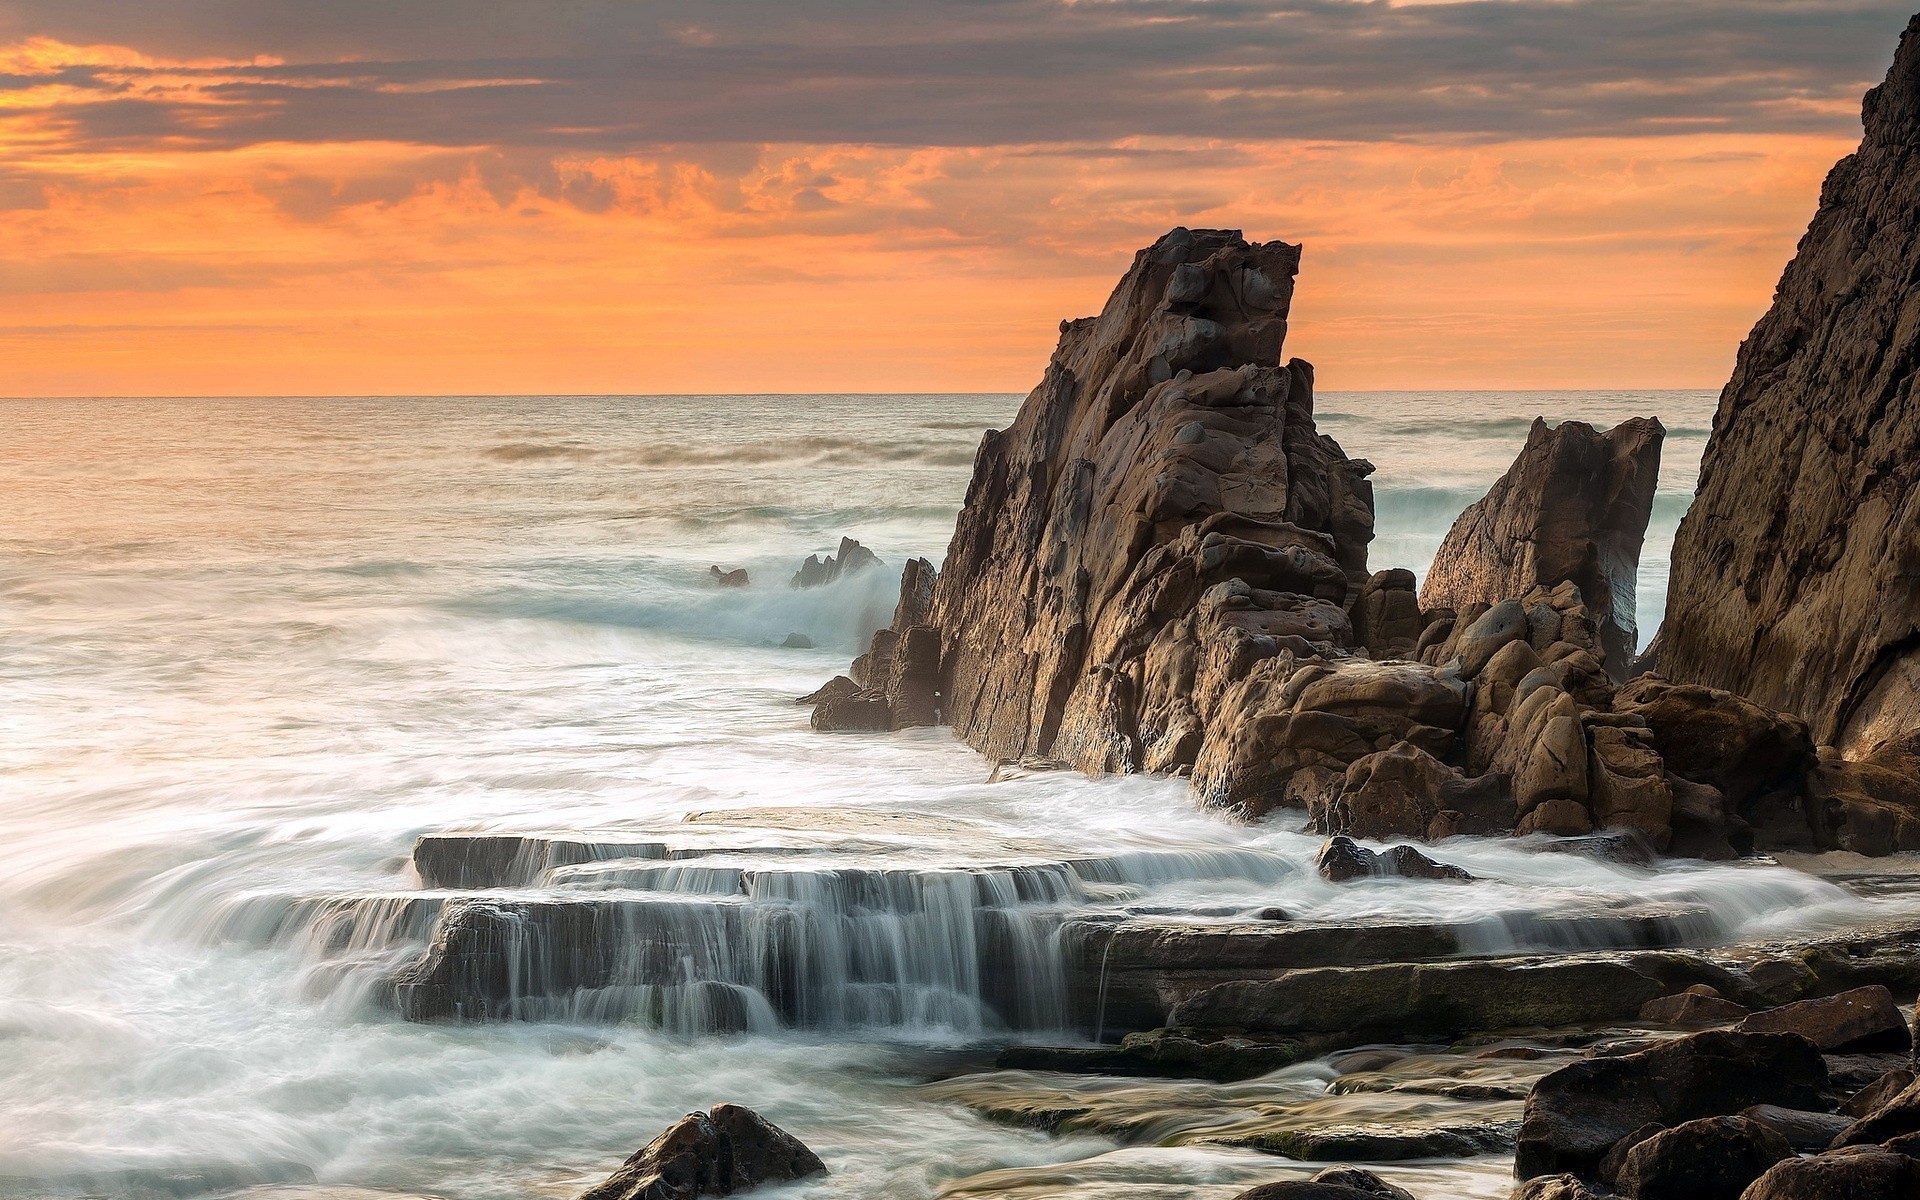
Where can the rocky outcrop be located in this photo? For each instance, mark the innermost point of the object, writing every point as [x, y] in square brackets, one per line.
[1160, 517]
[1577, 1113]
[731, 1149]
[1792, 578]
[1572, 508]
[736, 578]
[818, 572]
[896, 683]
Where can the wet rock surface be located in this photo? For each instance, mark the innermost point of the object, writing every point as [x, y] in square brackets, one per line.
[1713, 1158]
[729, 1150]
[852, 557]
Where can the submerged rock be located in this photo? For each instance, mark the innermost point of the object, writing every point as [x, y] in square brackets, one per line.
[1342, 859]
[1791, 581]
[1572, 508]
[731, 1149]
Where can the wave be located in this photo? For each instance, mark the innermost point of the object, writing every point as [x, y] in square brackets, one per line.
[818, 451]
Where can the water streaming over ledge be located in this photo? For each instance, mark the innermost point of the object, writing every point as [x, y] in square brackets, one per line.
[251, 651]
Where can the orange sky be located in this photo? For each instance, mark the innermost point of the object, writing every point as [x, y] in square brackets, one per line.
[170, 263]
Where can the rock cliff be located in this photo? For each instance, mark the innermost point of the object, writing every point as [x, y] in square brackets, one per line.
[1794, 572]
[1161, 513]
[1572, 508]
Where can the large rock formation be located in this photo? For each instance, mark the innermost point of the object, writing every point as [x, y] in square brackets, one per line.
[1161, 514]
[1793, 573]
[1572, 508]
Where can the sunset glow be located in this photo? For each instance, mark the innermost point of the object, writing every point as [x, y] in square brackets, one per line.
[276, 212]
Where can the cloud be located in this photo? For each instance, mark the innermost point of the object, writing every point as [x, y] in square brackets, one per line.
[595, 76]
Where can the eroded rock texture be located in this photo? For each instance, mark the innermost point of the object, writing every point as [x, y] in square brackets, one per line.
[1793, 573]
[1160, 516]
[1572, 508]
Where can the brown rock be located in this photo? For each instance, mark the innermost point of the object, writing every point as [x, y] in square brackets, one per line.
[1869, 1173]
[1688, 1010]
[1574, 1115]
[732, 1149]
[1896, 1117]
[1865, 1101]
[1573, 507]
[1562, 818]
[1555, 1187]
[852, 711]
[1803, 1130]
[1386, 615]
[1402, 790]
[1608, 1171]
[1165, 451]
[1713, 1158]
[913, 684]
[1863, 1019]
[1716, 738]
[1792, 571]
[1342, 859]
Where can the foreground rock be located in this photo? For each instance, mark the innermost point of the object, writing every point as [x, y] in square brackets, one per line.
[1572, 508]
[1713, 1158]
[1868, 1173]
[1791, 580]
[731, 1149]
[1334, 1183]
[1575, 1115]
[1864, 1019]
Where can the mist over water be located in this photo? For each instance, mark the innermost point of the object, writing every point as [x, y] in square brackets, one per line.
[251, 649]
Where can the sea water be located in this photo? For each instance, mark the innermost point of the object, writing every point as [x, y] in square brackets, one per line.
[251, 649]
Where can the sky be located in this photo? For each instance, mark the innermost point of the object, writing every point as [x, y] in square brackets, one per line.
[287, 197]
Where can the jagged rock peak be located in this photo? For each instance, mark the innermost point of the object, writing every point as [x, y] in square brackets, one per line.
[1573, 507]
[1165, 457]
[1793, 572]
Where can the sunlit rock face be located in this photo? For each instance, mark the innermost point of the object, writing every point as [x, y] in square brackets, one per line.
[1572, 508]
[1793, 573]
[1161, 513]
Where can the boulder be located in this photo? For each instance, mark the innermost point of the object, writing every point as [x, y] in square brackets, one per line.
[736, 578]
[1864, 1019]
[913, 681]
[818, 572]
[1691, 1009]
[1882, 1090]
[1403, 791]
[1574, 1115]
[1555, 1187]
[1166, 451]
[1362, 1180]
[731, 1149]
[1628, 785]
[1868, 1173]
[1341, 859]
[1898, 1116]
[1716, 738]
[1713, 1158]
[1573, 507]
[1334, 1183]
[1386, 615]
[796, 641]
[1803, 1130]
[1791, 579]
[862, 710]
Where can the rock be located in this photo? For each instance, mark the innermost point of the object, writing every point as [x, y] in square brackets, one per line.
[1717, 738]
[1341, 859]
[1688, 1010]
[1573, 507]
[817, 572]
[1555, 1187]
[913, 683]
[1703, 826]
[1869, 1173]
[732, 1149]
[1562, 818]
[1791, 571]
[1854, 1072]
[1375, 1143]
[1408, 999]
[1802, 1130]
[1403, 790]
[797, 641]
[1628, 784]
[915, 606]
[1363, 1181]
[1490, 633]
[1896, 1117]
[1882, 1090]
[1864, 1019]
[1625, 846]
[863, 710]
[1713, 1158]
[1386, 615]
[1576, 1113]
[1616, 1156]
[1165, 452]
[837, 688]
[736, 578]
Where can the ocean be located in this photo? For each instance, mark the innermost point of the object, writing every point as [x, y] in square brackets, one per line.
[250, 649]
